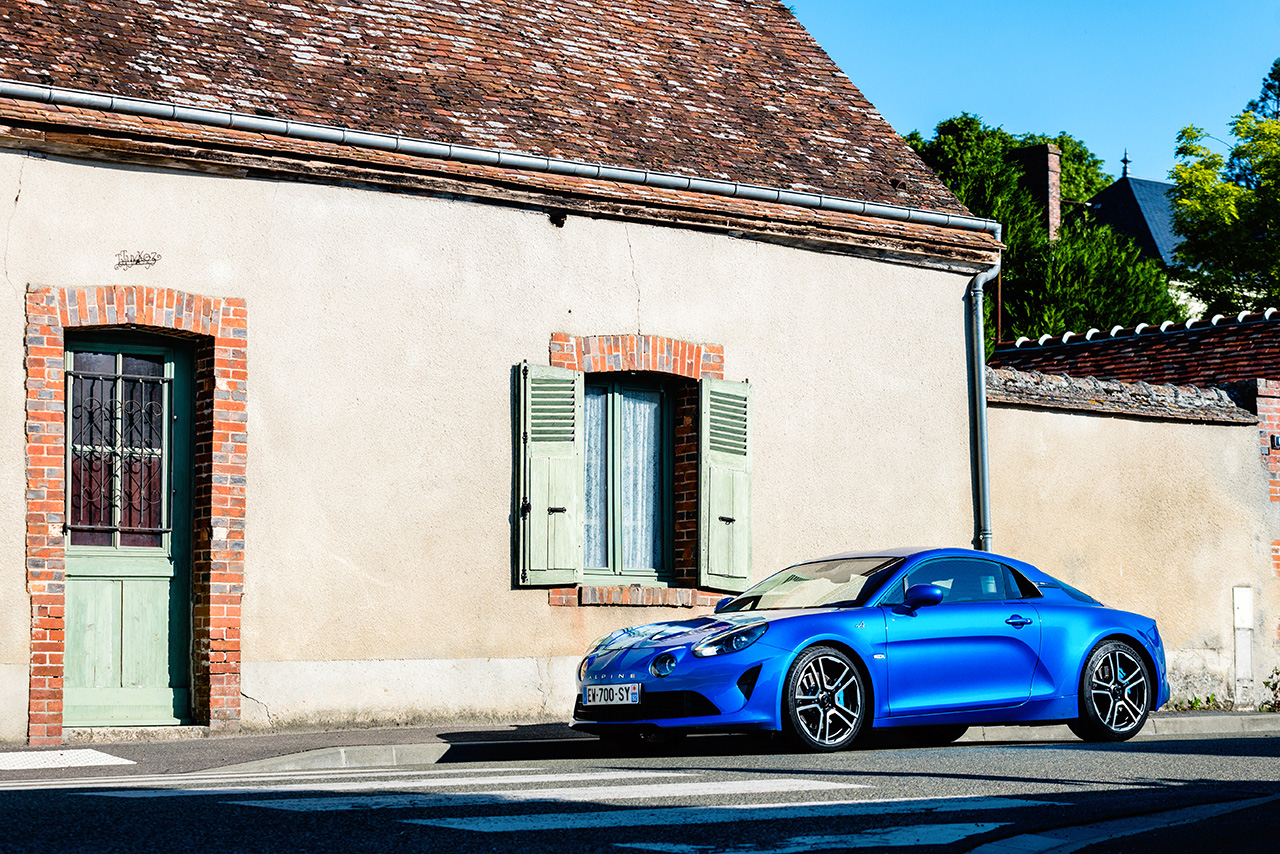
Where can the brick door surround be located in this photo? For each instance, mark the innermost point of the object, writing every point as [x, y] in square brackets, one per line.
[217, 328]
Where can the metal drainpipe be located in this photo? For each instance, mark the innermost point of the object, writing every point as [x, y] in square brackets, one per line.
[978, 406]
[559, 166]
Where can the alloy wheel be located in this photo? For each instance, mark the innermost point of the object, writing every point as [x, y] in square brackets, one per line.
[1118, 690]
[1115, 693]
[826, 699]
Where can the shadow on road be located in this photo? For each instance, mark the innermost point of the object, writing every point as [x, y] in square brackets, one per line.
[544, 742]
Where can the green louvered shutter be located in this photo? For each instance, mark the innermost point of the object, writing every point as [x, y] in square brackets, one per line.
[724, 485]
[551, 482]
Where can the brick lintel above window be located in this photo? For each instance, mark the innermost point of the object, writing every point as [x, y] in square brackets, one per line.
[601, 353]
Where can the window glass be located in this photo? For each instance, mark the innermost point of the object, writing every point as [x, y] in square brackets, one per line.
[595, 541]
[118, 439]
[1018, 587]
[641, 458]
[961, 580]
[627, 488]
[822, 584]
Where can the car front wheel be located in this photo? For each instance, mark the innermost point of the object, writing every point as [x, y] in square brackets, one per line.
[825, 700]
[1115, 694]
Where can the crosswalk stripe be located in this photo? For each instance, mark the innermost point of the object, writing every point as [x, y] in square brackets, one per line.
[127, 781]
[670, 816]
[369, 785]
[28, 760]
[576, 794]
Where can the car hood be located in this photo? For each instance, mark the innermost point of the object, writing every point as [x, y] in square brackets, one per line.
[686, 632]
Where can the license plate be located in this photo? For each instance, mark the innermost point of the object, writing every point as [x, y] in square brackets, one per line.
[611, 695]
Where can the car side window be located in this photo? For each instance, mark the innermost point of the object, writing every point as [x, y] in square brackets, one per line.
[1018, 587]
[961, 580]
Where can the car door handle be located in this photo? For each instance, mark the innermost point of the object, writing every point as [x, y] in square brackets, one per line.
[1018, 621]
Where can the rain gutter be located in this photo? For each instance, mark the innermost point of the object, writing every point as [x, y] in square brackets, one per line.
[579, 169]
[979, 456]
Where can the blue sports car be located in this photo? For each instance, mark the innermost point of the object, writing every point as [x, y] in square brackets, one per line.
[931, 641]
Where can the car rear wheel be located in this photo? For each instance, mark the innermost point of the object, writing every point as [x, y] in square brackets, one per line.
[825, 700]
[935, 736]
[1115, 693]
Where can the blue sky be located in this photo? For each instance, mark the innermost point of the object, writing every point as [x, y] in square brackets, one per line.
[1124, 73]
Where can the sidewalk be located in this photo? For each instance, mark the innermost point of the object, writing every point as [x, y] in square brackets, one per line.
[131, 752]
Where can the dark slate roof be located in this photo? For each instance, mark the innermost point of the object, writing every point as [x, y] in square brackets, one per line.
[1170, 402]
[1141, 209]
[1203, 352]
[732, 89]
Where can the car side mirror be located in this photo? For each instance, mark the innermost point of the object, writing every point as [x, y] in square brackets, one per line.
[922, 596]
[720, 606]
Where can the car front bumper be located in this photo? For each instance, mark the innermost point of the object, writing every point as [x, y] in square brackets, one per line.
[733, 692]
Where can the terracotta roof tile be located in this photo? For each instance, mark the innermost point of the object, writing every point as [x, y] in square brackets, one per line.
[731, 89]
[62, 127]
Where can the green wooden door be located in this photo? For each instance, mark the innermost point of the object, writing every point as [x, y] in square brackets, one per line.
[128, 521]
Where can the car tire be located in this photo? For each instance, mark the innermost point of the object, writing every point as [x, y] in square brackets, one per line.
[825, 700]
[938, 735]
[1115, 693]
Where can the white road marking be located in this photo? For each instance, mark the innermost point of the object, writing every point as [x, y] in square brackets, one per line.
[27, 760]
[140, 780]
[576, 794]
[670, 816]
[885, 837]
[369, 785]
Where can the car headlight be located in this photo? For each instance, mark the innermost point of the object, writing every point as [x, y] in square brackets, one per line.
[663, 665]
[730, 641]
[582, 669]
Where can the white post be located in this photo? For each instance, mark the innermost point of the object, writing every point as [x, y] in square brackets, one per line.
[1242, 598]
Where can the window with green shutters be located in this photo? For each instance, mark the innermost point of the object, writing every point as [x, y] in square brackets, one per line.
[595, 481]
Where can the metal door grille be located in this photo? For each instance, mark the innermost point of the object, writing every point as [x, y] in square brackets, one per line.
[118, 453]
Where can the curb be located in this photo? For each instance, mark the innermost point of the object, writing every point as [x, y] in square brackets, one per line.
[1155, 726]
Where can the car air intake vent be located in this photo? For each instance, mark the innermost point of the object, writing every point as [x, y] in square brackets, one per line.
[747, 681]
[653, 705]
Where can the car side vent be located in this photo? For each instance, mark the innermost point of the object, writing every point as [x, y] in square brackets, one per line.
[747, 681]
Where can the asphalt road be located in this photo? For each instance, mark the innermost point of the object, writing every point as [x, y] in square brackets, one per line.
[705, 795]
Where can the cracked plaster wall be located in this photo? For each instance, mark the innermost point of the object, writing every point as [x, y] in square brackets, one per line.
[383, 329]
[15, 608]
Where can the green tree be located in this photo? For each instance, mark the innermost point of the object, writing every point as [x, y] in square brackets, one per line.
[1227, 209]
[1089, 276]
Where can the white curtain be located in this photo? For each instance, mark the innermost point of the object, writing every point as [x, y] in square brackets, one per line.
[641, 487]
[595, 546]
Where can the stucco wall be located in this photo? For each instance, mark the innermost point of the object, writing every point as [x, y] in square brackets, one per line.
[382, 332]
[1159, 517]
[15, 608]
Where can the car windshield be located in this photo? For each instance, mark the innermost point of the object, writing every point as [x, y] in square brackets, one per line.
[848, 582]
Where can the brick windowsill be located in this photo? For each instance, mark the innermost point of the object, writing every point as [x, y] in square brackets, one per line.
[634, 596]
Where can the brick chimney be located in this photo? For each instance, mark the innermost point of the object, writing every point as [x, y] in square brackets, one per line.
[1042, 167]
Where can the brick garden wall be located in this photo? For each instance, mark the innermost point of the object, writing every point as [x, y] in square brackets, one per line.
[217, 328]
